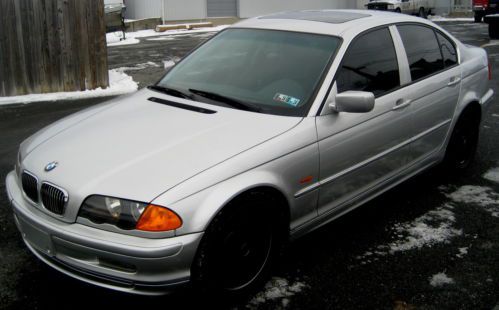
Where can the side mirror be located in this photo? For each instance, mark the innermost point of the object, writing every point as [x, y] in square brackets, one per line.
[354, 102]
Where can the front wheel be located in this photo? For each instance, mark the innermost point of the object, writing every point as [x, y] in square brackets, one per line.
[463, 144]
[237, 250]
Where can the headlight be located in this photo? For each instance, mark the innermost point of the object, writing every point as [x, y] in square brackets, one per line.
[128, 215]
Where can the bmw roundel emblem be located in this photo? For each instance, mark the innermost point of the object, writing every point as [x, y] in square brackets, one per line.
[51, 166]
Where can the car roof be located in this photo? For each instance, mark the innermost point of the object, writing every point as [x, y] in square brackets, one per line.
[332, 22]
[331, 17]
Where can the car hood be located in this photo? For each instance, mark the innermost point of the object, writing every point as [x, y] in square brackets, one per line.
[138, 149]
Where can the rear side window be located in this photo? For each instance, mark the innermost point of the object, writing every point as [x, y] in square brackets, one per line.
[370, 64]
[448, 51]
[422, 50]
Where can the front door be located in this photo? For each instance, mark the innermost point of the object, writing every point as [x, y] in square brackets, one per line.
[360, 151]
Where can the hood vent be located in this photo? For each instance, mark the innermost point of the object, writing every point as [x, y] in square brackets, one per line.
[182, 106]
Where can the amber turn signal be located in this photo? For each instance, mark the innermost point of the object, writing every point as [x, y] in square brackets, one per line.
[157, 218]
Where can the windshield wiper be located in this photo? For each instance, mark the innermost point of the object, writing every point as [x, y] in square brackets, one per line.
[246, 106]
[170, 91]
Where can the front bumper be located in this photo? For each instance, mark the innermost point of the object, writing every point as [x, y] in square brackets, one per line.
[120, 262]
[381, 8]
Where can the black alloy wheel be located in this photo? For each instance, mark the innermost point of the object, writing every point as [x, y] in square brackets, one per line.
[463, 143]
[238, 248]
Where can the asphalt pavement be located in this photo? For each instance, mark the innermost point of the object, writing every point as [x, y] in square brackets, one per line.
[430, 243]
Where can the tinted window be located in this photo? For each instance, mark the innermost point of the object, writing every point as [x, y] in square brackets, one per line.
[370, 64]
[448, 50]
[422, 50]
[276, 71]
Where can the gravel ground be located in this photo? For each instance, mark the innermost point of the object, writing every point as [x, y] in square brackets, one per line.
[430, 243]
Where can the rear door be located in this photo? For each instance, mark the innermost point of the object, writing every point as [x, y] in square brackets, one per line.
[435, 85]
[360, 151]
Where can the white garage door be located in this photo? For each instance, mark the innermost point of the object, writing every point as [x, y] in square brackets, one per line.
[222, 8]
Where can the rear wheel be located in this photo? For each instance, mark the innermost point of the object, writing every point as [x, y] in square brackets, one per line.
[397, 10]
[463, 143]
[237, 250]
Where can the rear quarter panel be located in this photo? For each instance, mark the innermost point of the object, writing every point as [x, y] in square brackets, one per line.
[474, 76]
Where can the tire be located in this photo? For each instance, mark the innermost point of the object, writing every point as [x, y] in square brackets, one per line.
[397, 10]
[238, 248]
[494, 30]
[478, 18]
[463, 143]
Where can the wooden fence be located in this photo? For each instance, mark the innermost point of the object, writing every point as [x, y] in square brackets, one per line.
[52, 46]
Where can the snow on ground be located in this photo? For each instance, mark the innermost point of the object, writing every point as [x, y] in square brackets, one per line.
[462, 252]
[113, 38]
[168, 63]
[119, 84]
[440, 279]
[140, 66]
[482, 196]
[432, 228]
[438, 18]
[277, 289]
[127, 41]
[437, 226]
[492, 175]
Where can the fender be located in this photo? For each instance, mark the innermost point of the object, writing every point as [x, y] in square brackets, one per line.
[202, 207]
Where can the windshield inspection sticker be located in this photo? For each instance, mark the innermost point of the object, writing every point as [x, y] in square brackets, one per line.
[287, 99]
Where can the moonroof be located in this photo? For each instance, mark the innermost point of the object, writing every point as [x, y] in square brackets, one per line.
[332, 17]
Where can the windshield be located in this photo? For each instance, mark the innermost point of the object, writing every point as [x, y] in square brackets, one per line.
[267, 71]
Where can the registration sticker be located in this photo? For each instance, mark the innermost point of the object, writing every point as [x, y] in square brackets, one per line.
[287, 99]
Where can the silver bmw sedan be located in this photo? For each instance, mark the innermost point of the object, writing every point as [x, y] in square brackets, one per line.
[272, 128]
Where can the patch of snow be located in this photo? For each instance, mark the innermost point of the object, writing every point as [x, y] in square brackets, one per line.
[119, 84]
[164, 38]
[438, 18]
[495, 115]
[138, 67]
[168, 63]
[482, 196]
[440, 279]
[127, 41]
[433, 227]
[113, 38]
[462, 252]
[492, 175]
[277, 289]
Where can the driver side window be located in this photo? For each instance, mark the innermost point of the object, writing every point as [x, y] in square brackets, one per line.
[370, 64]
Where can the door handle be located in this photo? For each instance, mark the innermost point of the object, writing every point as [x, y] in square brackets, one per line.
[453, 81]
[401, 103]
